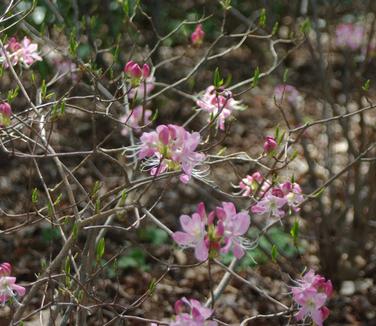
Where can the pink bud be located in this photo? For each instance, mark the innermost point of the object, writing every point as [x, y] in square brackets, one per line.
[145, 70]
[128, 66]
[5, 269]
[198, 35]
[164, 134]
[270, 144]
[13, 44]
[5, 109]
[136, 71]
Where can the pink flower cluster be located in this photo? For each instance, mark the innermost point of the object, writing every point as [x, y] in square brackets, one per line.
[5, 114]
[311, 294]
[220, 231]
[191, 313]
[219, 105]
[349, 36]
[197, 36]
[288, 92]
[171, 147]
[133, 120]
[279, 199]
[23, 52]
[8, 287]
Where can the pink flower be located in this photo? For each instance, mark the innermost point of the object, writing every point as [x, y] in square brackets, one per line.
[349, 36]
[311, 293]
[197, 36]
[270, 204]
[219, 105]
[171, 147]
[293, 193]
[191, 313]
[25, 52]
[234, 226]
[217, 232]
[250, 183]
[270, 144]
[288, 92]
[5, 114]
[193, 235]
[133, 120]
[29, 52]
[8, 287]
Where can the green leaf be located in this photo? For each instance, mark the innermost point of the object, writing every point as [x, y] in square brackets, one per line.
[12, 94]
[155, 115]
[217, 80]
[222, 151]
[58, 199]
[226, 4]
[43, 89]
[67, 270]
[97, 205]
[256, 77]
[75, 230]
[34, 196]
[294, 155]
[152, 286]
[49, 209]
[294, 232]
[305, 27]
[285, 73]
[275, 28]
[123, 198]
[100, 249]
[73, 44]
[274, 253]
[96, 187]
[365, 87]
[262, 18]
[126, 7]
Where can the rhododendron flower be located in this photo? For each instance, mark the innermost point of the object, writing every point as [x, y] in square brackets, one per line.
[133, 120]
[25, 52]
[8, 287]
[5, 114]
[171, 147]
[219, 105]
[197, 36]
[311, 294]
[251, 183]
[220, 231]
[270, 144]
[191, 313]
[288, 92]
[270, 204]
[193, 235]
[349, 36]
[293, 193]
[234, 225]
